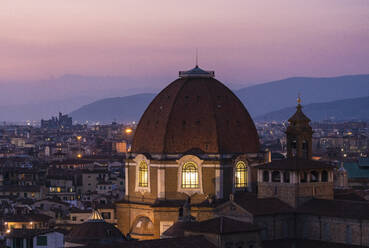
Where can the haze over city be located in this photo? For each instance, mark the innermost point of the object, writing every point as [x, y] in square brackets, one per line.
[62, 55]
[187, 124]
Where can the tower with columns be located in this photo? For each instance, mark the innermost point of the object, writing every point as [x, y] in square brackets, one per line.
[297, 178]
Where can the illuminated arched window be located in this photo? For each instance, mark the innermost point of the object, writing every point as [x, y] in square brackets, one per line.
[241, 175]
[190, 176]
[143, 175]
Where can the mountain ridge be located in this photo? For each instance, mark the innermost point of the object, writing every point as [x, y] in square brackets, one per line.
[340, 110]
[264, 98]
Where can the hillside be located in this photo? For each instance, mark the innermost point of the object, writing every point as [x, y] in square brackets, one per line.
[264, 98]
[348, 109]
[259, 99]
[126, 109]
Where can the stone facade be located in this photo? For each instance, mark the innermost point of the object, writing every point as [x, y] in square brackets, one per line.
[333, 229]
[163, 198]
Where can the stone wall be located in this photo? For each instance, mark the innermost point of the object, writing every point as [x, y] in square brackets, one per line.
[332, 229]
[295, 194]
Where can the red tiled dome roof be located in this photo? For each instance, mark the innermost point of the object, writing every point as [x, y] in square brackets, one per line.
[95, 230]
[196, 113]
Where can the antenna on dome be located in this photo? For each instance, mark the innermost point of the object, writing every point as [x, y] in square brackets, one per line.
[197, 58]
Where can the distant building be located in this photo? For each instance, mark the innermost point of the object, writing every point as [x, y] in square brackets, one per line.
[64, 121]
[34, 238]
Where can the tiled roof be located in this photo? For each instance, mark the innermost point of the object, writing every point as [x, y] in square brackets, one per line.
[196, 112]
[299, 116]
[183, 242]
[176, 230]
[28, 233]
[26, 218]
[265, 206]
[354, 171]
[221, 225]
[94, 232]
[349, 195]
[303, 243]
[20, 188]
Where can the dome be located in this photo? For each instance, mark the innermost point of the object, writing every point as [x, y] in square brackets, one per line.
[198, 113]
[95, 230]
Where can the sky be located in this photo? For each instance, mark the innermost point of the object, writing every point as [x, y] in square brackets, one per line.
[244, 41]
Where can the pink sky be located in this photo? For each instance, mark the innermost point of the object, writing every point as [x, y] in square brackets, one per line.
[243, 41]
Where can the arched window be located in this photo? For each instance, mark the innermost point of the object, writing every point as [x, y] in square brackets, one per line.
[286, 176]
[324, 176]
[241, 175]
[190, 176]
[276, 176]
[265, 176]
[314, 176]
[143, 180]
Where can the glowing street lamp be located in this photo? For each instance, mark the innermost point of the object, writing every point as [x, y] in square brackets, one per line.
[79, 138]
[79, 155]
[128, 130]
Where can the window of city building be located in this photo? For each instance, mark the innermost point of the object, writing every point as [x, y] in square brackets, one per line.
[241, 175]
[190, 176]
[41, 241]
[143, 180]
[106, 215]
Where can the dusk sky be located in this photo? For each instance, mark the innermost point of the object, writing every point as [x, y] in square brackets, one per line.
[244, 41]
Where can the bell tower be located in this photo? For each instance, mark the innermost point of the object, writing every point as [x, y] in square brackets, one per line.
[299, 135]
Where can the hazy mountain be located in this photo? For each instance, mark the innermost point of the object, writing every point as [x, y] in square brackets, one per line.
[348, 109]
[258, 99]
[264, 98]
[126, 109]
[33, 100]
[20, 101]
[38, 111]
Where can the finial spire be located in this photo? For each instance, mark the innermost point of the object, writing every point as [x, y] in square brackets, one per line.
[197, 58]
[299, 99]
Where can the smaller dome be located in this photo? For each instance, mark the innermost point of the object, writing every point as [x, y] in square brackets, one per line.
[143, 226]
[95, 230]
[299, 116]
